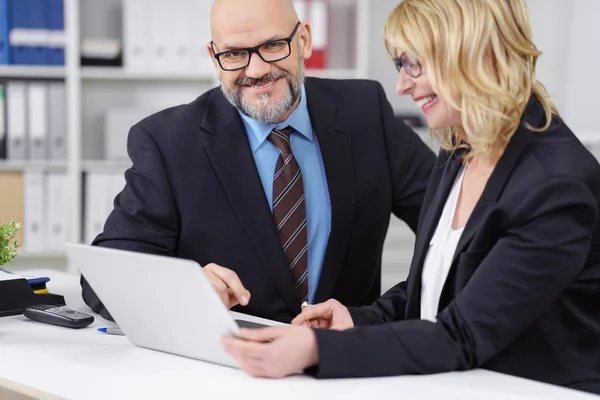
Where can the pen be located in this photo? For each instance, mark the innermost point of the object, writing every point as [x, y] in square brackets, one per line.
[111, 331]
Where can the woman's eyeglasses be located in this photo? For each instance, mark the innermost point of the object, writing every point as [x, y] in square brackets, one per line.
[413, 68]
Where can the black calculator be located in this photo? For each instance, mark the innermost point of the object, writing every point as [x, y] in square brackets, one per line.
[58, 315]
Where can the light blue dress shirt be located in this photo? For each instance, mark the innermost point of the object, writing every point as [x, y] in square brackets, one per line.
[308, 154]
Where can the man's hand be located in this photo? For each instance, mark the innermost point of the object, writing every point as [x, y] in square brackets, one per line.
[228, 285]
[329, 315]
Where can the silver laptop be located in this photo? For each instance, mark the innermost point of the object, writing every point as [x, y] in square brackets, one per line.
[161, 303]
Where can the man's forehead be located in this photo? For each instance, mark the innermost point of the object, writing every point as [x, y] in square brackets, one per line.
[249, 34]
[247, 23]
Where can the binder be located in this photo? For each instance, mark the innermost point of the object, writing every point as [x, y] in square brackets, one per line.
[4, 28]
[100, 192]
[95, 204]
[317, 17]
[198, 18]
[57, 134]
[21, 53]
[58, 209]
[178, 36]
[37, 115]
[17, 122]
[3, 120]
[34, 221]
[38, 24]
[28, 36]
[136, 30]
[56, 33]
[159, 38]
[343, 32]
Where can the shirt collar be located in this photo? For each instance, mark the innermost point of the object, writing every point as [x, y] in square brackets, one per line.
[299, 119]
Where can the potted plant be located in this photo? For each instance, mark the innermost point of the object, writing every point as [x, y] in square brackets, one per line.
[8, 244]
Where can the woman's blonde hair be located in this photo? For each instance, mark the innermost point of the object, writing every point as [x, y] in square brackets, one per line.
[480, 58]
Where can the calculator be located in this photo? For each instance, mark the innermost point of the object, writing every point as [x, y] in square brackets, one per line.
[58, 315]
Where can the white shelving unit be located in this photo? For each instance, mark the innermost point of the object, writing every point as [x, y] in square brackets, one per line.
[120, 74]
[85, 84]
[31, 72]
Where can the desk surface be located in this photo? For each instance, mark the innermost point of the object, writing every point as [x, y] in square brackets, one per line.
[85, 364]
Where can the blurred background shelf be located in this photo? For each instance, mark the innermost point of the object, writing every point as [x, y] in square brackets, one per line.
[22, 165]
[31, 72]
[105, 166]
[348, 73]
[120, 74]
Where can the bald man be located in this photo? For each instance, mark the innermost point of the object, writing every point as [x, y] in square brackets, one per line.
[280, 186]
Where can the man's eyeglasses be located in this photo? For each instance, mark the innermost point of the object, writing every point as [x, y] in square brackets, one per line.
[413, 68]
[271, 51]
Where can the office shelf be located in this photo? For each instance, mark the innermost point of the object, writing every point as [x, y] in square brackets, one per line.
[99, 166]
[32, 72]
[120, 74]
[22, 165]
[334, 73]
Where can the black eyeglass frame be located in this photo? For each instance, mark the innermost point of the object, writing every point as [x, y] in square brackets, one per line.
[405, 62]
[254, 49]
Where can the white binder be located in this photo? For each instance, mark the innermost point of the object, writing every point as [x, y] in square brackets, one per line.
[37, 114]
[136, 31]
[17, 119]
[35, 217]
[178, 35]
[58, 211]
[96, 192]
[100, 192]
[199, 20]
[160, 37]
[57, 132]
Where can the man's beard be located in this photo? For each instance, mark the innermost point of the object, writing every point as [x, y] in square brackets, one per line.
[267, 110]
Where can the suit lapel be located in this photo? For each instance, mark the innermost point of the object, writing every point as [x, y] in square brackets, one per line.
[231, 157]
[426, 230]
[494, 188]
[336, 151]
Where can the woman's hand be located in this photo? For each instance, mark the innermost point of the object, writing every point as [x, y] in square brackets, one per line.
[273, 352]
[329, 315]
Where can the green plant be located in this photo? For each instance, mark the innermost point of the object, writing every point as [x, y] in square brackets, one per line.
[8, 244]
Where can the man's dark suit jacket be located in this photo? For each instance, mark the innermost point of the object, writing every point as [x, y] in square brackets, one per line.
[194, 192]
[523, 293]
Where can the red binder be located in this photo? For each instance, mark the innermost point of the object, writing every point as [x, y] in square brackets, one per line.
[316, 13]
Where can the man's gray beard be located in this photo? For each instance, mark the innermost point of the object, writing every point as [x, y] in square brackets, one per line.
[266, 111]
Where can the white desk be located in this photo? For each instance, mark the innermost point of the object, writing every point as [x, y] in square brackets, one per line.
[85, 364]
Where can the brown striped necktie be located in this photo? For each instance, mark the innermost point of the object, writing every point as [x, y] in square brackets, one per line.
[289, 210]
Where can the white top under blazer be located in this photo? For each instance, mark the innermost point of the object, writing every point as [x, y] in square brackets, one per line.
[439, 256]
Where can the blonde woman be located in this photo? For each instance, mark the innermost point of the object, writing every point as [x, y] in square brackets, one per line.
[506, 269]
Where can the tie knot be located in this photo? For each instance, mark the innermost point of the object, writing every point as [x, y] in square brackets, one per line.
[281, 139]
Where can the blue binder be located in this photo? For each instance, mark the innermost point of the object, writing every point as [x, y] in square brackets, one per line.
[56, 21]
[4, 28]
[38, 20]
[21, 55]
